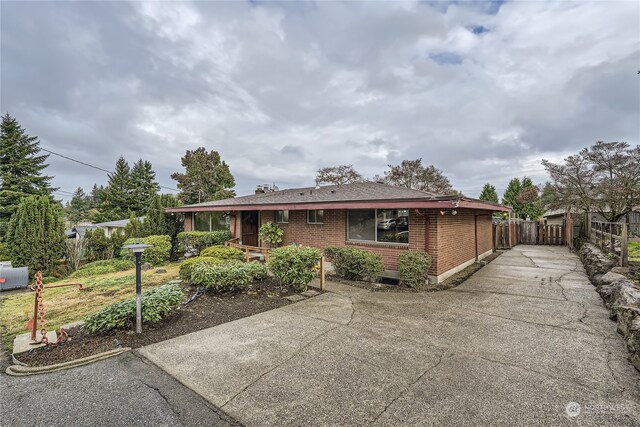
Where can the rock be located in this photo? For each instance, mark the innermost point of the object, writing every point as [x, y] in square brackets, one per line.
[620, 270]
[629, 328]
[611, 277]
[594, 260]
[310, 293]
[623, 293]
[161, 270]
[294, 298]
[597, 280]
[146, 266]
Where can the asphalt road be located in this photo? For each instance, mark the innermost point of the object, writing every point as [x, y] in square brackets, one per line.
[126, 390]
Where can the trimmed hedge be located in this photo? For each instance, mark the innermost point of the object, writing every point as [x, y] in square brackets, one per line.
[224, 253]
[156, 304]
[103, 267]
[355, 264]
[158, 254]
[201, 239]
[294, 265]
[228, 276]
[187, 266]
[413, 267]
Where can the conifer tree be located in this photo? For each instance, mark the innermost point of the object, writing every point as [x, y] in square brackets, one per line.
[143, 184]
[78, 208]
[489, 193]
[511, 194]
[21, 167]
[116, 200]
[35, 236]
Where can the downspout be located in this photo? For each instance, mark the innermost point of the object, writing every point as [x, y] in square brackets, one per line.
[475, 233]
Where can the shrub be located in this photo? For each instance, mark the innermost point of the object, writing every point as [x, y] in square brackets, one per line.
[103, 267]
[355, 264]
[413, 267]
[4, 252]
[156, 304]
[201, 239]
[222, 277]
[158, 254]
[271, 233]
[187, 266]
[99, 247]
[224, 253]
[294, 265]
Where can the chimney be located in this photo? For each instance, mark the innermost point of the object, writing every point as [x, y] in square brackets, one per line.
[260, 189]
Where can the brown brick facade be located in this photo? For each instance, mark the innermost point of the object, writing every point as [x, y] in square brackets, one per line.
[451, 239]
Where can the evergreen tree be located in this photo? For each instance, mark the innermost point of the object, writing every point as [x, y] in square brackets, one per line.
[21, 166]
[78, 208]
[529, 199]
[133, 228]
[154, 221]
[489, 193]
[206, 177]
[35, 237]
[116, 200]
[511, 194]
[143, 184]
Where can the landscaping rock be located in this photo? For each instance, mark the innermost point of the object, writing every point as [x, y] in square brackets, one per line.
[620, 270]
[145, 266]
[295, 298]
[161, 270]
[623, 293]
[594, 260]
[611, 277]
[629, 328]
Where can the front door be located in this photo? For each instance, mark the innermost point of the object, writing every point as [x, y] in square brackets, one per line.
[250, 228]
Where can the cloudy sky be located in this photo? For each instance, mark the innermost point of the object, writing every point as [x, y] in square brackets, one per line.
[482, 90]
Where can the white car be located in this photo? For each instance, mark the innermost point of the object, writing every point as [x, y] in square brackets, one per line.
[387, 224]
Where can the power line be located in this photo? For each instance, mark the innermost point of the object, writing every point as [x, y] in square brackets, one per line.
[93, 166]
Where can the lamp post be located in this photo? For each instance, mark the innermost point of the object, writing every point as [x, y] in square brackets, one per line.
[137, 249]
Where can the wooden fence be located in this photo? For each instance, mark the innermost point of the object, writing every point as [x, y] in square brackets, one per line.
[507, 234]
[611, 237]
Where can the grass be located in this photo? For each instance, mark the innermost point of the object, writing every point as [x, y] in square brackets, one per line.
[68, 304]
[634, 251]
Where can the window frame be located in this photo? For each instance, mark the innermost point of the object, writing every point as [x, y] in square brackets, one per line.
[315, 222]
[284, 220]
[375, 242]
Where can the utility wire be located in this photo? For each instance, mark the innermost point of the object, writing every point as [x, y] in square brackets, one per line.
[93, 166]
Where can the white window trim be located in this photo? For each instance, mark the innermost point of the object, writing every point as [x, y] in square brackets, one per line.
[373, 242]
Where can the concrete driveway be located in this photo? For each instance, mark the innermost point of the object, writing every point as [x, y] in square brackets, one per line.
[525, 341]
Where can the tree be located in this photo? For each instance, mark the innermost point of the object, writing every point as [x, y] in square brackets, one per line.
[98, 245]
[489, 194]
[411, 174]
[117, 199]
[530, 204]
[75, 249]
[158, 222]
[143, 184]
[338, 175]
[206, 177]
[511, 194]
[21, 167]
[133, 228]
[35, 236]
[78, 208]
[603, 178]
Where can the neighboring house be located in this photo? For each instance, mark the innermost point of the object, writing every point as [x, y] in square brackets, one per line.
[384, 219]
[109, 228]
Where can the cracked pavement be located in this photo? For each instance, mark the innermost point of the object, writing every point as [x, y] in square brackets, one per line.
[513, 345]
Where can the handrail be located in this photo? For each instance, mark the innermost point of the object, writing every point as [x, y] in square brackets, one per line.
[247, 249]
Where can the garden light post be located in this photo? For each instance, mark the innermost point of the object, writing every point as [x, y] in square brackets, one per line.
[137, 249]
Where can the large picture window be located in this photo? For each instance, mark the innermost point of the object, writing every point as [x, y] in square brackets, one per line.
[210, 221]
[378, 225]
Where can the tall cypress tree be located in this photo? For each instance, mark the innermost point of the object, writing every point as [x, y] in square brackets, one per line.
[116, 200]
[35, 236]
[511, 194]
[21, 166]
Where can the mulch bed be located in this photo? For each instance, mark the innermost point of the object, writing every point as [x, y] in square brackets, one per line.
[207, 311]
[449, 283]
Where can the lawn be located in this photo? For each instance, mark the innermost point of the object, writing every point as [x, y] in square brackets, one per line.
[634, 251]
[68, 304]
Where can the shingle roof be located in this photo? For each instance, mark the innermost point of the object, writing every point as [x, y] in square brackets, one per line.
[363, 191]
[118, 223]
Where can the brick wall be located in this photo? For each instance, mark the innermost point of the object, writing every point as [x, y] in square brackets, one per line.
[456, 239]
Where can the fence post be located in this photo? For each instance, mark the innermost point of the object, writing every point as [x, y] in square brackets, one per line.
[624, 247]
[322, 272]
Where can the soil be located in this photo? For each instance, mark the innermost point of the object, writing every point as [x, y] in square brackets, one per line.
[451, 282]
[208, 310]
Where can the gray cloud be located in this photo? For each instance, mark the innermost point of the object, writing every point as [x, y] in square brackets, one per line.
[281, 89]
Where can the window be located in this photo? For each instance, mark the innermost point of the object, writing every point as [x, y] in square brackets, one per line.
[282, 217]
[378, 225]
[315, 217]
[210, 221]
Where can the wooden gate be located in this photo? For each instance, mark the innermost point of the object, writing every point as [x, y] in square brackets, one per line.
[506, 235]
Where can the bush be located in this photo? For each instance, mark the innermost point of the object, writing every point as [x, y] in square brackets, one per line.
[103, 267]
[156, 304]
[228, 276]
[4, 252]
[294, 265]
[355, 264]
[201, 239]
[156, 255]
[187, 266]
[99, 247]
[224, 253]
[271, 233]
[413, 267]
